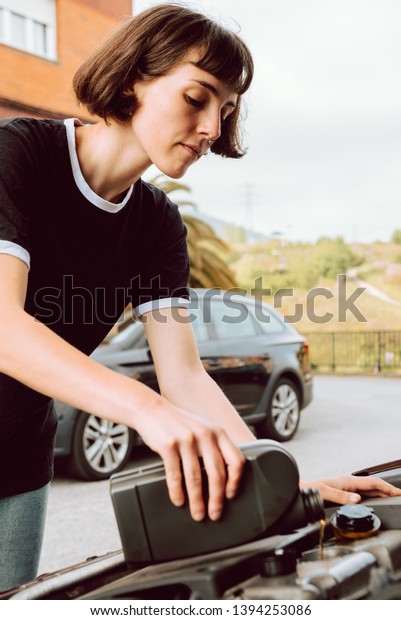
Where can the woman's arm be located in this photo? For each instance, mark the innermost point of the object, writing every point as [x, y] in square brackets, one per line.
[34, 355]
[350, 489]
[184, 382]
[181, 376]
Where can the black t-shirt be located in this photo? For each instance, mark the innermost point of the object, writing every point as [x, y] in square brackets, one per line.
[88, 258]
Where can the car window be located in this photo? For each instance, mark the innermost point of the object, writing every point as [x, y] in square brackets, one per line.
[125, 333]
[267, 321]
[130, 337]
[232, 319]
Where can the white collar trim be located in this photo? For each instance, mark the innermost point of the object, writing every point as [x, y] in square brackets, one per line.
[101, 203]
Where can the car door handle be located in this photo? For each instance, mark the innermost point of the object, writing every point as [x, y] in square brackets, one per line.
[138, 362]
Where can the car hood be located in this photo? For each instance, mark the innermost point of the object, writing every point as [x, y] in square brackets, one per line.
[274, 568]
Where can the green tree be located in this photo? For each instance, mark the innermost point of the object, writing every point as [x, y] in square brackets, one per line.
[396, 236]
[333, 257]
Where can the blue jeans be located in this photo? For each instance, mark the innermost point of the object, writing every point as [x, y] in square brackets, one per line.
[22, 521]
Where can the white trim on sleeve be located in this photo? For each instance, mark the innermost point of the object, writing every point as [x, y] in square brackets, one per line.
[13, 249]
[157, 304]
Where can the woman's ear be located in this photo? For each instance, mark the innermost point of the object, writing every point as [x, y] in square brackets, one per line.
[129, 99]
[134, 88]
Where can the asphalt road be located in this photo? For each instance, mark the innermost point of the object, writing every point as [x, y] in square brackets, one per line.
[353, 422]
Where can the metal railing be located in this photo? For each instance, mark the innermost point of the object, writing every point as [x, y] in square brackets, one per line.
[356, 351]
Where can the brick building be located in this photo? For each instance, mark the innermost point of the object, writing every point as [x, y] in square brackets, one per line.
[42, 43]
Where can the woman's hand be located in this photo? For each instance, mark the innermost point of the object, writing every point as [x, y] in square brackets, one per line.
[180, 438]
[349, 489]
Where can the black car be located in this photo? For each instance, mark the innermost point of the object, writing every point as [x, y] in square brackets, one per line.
[260, 362]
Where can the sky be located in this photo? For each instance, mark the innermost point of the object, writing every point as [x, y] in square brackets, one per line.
[323, 121]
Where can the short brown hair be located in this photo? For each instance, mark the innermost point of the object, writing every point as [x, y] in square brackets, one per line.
[147, 46]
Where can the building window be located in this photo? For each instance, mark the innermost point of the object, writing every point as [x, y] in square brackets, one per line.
[29, 26]
[40, 38]
[18, 30]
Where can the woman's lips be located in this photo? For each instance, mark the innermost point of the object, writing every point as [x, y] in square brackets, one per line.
[193, 151]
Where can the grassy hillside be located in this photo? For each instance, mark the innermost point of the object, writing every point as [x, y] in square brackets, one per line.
[309, 273]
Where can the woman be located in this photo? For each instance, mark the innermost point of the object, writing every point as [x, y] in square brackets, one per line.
[82, 235]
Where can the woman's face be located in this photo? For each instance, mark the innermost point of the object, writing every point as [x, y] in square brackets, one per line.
[178, 113]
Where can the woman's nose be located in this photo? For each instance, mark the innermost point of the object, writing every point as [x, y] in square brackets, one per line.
[211, 127]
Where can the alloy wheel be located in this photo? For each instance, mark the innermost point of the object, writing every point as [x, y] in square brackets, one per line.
[105, 444]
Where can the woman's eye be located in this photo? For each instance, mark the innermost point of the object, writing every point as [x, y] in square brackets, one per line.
[226, 115]
[194, 102]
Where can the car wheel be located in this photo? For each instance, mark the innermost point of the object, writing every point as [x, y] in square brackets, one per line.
[100, 447]
[283, 412]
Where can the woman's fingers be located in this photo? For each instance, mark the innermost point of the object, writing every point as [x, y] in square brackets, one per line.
[182, 439]
[337, 496]
[371, 486]
[348, 489]
[223, 464]
[216, 468]
[174, 478]
[193, 476]
[235, 462]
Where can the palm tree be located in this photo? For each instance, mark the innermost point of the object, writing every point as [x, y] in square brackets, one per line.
[207, 252]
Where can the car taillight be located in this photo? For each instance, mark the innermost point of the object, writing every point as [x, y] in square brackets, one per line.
[306, 358]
